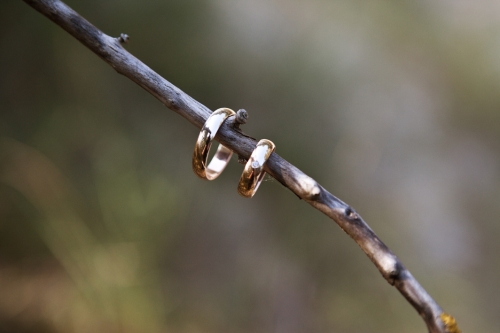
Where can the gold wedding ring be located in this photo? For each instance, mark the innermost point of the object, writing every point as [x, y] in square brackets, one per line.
[202, 147]
[254, 169]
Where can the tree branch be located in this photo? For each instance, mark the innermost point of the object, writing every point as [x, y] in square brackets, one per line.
[306, 188]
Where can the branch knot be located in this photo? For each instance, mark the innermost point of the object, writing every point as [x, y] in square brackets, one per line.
[124, 38]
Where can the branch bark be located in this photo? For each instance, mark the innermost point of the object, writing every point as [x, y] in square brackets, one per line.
[306, 188]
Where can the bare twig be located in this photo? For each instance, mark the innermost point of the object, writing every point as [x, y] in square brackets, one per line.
[306, 188]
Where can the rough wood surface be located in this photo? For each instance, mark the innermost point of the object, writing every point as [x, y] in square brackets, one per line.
[306, 188]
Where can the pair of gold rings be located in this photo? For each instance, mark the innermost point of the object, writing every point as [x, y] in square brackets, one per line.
[253, 173]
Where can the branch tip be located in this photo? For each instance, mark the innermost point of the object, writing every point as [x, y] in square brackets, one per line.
[449, 323]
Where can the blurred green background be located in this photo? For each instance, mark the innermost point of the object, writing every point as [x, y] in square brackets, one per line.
[393, 106]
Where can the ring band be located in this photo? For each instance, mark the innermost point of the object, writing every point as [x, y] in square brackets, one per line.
[203, 144]
[253, 174]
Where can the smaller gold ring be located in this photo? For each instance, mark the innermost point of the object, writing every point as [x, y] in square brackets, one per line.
[254, 173]
[203, 144]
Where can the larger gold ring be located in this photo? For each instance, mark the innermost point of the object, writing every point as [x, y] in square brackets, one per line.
[203, 144]
[254, 173]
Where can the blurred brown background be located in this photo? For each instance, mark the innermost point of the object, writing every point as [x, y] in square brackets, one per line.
[393, 106]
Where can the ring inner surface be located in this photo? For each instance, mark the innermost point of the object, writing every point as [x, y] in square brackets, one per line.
[219, 162]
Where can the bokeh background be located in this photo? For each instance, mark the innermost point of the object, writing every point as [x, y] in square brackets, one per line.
[393, 106]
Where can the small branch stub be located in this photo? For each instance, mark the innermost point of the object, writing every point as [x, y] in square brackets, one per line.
[240, 119]
[351, 214]
[124, 38]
